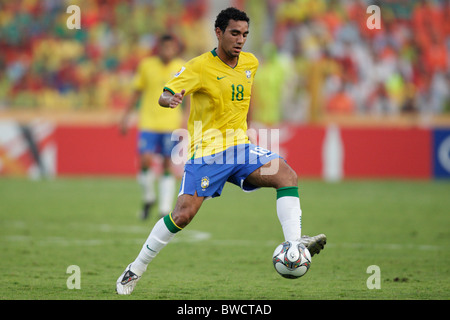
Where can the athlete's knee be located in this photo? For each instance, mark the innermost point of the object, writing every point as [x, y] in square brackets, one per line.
[185, 210]
[146, 160]
[287, 176]
[293, 177]
[182, 217]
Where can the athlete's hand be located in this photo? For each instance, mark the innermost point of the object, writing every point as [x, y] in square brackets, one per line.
[176, 99]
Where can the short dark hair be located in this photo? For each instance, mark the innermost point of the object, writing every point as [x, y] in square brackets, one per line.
[228, 14]
[166, 37]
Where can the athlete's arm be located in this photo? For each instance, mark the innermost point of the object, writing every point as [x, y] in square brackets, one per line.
[169, 100]
[124, 120]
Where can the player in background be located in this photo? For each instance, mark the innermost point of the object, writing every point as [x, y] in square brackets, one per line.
[155, 124]
[220, 83]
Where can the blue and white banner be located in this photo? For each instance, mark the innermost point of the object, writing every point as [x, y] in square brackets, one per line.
[441, 153]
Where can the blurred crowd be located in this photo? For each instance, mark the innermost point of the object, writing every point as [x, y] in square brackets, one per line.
[336, 64]
[316, 56]
[44, 64]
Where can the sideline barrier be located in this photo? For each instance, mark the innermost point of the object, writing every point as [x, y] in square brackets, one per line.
[312, 151]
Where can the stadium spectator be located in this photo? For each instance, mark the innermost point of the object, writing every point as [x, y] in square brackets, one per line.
[273, 75]
[340, 102]
[47, 65]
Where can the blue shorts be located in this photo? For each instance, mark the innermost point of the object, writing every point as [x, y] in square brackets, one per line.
[207, 175]
[155, 142]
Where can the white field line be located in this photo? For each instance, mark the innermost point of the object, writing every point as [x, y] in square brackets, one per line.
[186, 236]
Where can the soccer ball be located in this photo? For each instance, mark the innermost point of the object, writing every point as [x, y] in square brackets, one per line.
[291, 259]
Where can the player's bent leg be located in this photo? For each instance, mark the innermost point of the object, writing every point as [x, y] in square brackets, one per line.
[162, 233]
[285, 181]
[289, 212]
[186, 208]
[285, 176]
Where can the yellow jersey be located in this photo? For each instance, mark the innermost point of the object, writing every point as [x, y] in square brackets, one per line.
[151, 76]
[220, 98]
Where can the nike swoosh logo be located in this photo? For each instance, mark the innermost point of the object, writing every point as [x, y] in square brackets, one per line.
[149, 248]
[220, 78]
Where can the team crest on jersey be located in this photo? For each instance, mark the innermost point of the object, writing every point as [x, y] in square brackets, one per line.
[179, 72]
[205, 183]
[248, 73]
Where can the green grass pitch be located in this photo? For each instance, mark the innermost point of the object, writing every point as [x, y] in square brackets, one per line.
[225, 253]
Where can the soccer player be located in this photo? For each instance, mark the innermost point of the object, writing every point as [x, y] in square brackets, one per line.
[155, 124]
[220, 83]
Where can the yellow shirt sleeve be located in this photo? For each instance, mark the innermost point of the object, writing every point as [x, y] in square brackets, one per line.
[188, 78]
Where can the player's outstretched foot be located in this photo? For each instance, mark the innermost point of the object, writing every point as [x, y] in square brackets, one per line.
[127, 281]
[314, 244]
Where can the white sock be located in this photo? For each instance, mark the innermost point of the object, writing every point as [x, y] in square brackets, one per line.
[166, 193]
[289, 213]
[146, 180]
[159, 237]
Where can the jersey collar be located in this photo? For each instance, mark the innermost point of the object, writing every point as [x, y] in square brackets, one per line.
[214, 53]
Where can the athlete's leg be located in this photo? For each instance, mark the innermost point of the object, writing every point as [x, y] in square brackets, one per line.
[186, 208]
[167, 181]
[289, 212]
[167, 184]
[166, 228]
[162, 233]
[146, 179]
[285, 176]
[285, 181]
